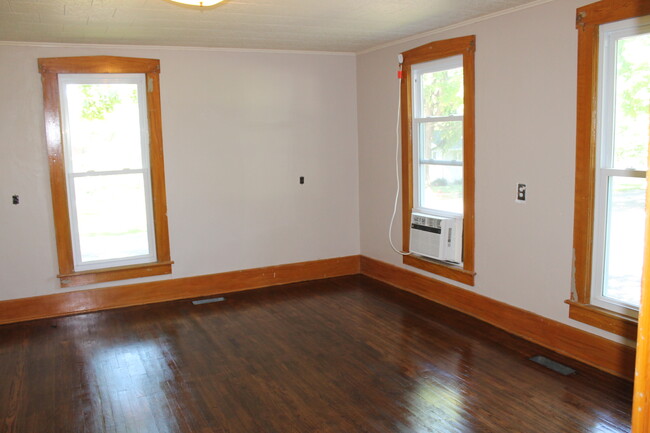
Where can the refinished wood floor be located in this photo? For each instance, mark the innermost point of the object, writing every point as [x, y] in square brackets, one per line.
[342, 355]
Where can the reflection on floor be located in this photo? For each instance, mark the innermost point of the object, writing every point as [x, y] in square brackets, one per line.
[341, 355]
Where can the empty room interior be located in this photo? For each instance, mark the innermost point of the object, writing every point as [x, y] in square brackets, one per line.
[342, 216]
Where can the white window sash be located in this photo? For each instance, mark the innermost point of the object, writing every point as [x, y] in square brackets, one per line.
[145, 171]
[609, 35]
[416, 139]
[418, 162]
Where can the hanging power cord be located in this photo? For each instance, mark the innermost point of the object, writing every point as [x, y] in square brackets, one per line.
[397, 143]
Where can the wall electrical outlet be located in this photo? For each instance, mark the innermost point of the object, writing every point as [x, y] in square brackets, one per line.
[521, 193]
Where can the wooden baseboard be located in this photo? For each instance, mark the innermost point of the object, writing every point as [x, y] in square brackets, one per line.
[83, 301]
[591, 349]
[599, 352]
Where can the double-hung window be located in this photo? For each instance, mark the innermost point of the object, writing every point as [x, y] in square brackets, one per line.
[108, 180]
[437, 121]
[105, 150]
[613, 125]
[621, 164]
[438, 136]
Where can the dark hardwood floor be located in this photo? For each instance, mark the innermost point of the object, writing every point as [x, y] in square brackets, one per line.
[342, 355]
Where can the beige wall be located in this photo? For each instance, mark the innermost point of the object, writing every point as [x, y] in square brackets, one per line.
[525, 132]
[239, 128]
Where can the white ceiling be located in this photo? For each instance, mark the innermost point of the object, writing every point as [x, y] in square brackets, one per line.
[312, 25]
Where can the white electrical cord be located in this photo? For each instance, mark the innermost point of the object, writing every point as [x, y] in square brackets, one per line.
[397, 142]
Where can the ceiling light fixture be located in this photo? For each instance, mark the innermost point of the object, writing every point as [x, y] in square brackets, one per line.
[199, 3]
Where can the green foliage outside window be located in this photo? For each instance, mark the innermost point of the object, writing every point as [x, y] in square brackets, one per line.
[442, 96]
[632, 101]
[98, 101]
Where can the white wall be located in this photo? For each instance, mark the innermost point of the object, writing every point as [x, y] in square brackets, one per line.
[525, 132]
[239, 128]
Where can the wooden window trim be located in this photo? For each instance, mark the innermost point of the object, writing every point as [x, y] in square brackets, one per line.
[588, 20]
[49, 69]
[464, 46]
[602, 318]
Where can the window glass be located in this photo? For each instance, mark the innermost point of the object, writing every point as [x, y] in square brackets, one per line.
[442, 188]
[442, 93]
[632, 111]
[442, 141]
[111, 217]
[625, 240]
[104, 127]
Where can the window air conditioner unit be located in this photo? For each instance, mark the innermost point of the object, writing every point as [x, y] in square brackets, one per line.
[437, 237]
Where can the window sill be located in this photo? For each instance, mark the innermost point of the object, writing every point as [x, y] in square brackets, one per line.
[610, 321]
[113, 274]
[444, 270]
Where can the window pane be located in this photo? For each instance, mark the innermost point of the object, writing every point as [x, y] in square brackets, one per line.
[441, 187]
[632, 124]
[442, 141]
[112, 216]
[442, 93]
[624, 239]
[104, 127]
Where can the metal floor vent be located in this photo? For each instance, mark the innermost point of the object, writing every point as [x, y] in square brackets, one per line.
[555, 366]
[208, 301]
